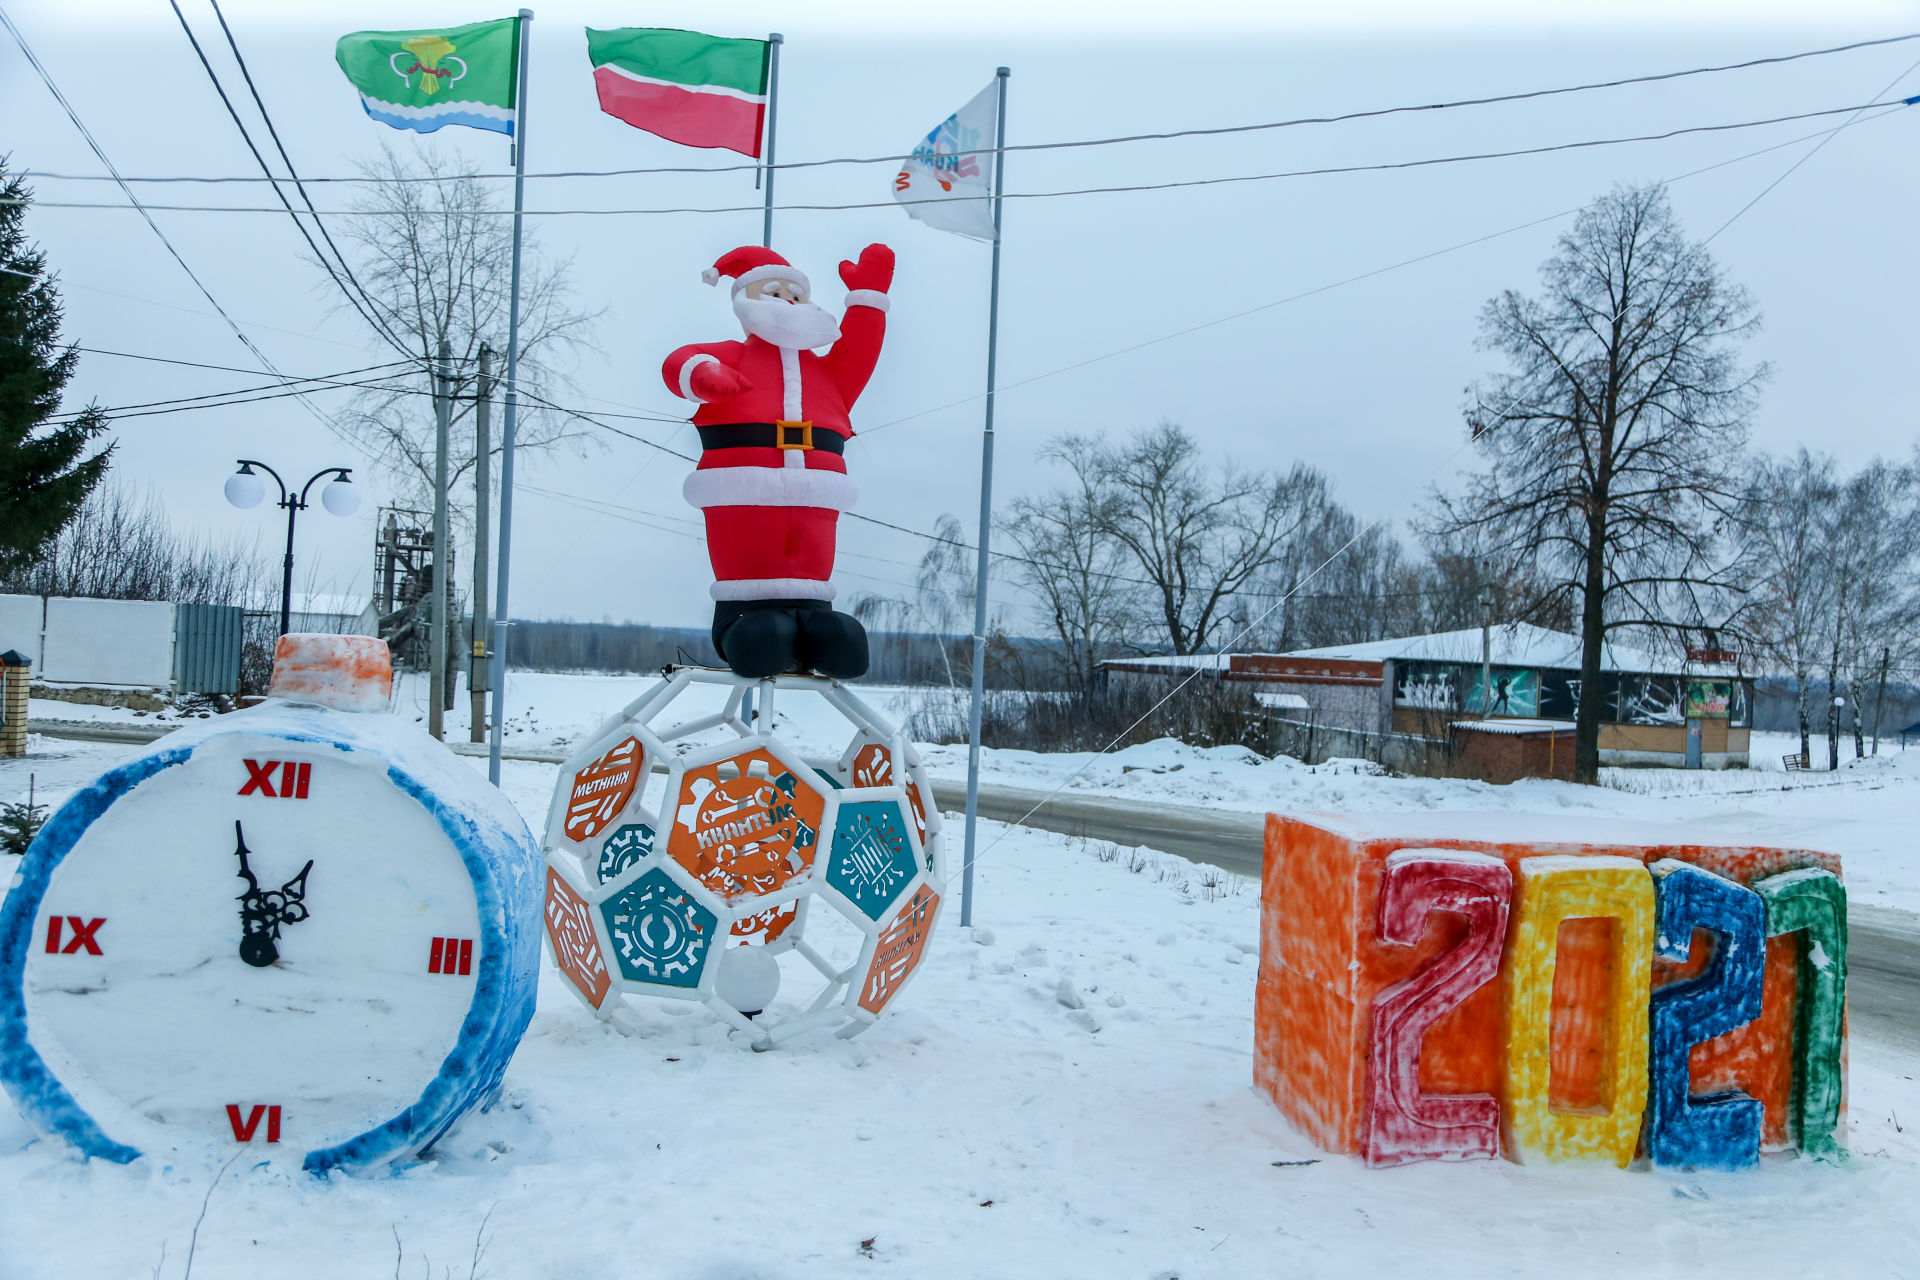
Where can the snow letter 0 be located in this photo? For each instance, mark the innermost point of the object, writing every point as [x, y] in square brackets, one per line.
[1553, 890]
[1814, 901]
[1722, 1131]
[1402, 1124]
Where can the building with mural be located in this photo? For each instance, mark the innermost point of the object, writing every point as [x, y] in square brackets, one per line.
[1656, 711]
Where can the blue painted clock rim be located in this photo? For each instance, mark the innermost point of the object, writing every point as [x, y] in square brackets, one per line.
[470, 1071]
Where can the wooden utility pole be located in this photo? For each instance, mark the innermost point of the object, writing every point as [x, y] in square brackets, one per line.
[1880, 698]
[482, 483]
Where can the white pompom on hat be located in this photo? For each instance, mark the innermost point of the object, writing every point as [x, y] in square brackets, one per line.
[751, 263]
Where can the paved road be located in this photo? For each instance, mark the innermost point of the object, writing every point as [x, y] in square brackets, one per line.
[1884, 981]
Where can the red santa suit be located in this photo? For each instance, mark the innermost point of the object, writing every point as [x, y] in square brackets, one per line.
[772, 479]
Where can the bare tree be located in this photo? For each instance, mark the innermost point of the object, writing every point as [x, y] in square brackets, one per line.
[121, 546]
[1199, 538]
[1079, 573]
[435, 256]
[1789, 517]
[1875, 551]
[1609, 443]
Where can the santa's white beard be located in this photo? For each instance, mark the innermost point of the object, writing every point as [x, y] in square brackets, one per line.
[794, 325]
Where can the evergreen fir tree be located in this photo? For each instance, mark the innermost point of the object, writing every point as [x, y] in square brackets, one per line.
[44, 472]
[19, 823]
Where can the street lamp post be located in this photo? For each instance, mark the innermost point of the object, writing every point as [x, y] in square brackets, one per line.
[245, 490]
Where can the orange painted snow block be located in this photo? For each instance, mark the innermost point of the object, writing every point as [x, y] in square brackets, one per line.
[1321, 966]
[345, 673]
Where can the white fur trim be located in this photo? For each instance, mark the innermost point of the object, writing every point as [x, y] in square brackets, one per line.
[772, 271]
[772, 589]
[869, 298]
[686, 374]
[791, 405]
[770, 487]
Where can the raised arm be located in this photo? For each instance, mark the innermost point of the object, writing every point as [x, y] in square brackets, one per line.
[864, 327]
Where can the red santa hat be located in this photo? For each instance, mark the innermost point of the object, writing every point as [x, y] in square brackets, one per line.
[751, 263]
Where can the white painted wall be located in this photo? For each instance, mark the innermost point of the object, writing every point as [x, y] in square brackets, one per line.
[20, 626]
[108, 642]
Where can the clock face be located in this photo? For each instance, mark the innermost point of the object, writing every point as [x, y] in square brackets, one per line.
[270, 943]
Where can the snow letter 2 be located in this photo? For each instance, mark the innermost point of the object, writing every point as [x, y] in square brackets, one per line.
[1721, 1131]
[1402, 1124]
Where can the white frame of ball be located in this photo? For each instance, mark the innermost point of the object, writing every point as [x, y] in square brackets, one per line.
[836, 1003]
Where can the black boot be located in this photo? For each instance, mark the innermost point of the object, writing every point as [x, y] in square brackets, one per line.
[756, 638]
[833, 644]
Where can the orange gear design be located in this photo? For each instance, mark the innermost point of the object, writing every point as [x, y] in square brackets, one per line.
[747, 834]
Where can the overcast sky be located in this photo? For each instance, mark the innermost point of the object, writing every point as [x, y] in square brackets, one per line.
[1363, 379]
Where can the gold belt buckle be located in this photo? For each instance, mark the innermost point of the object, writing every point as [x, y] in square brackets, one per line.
[802, 439]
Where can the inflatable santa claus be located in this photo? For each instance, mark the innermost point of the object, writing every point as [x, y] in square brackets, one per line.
[772, 480]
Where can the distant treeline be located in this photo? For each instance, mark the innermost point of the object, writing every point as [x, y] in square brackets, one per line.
[898, 657]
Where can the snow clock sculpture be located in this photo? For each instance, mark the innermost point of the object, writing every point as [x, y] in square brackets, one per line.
[303, 928]
[701, 872]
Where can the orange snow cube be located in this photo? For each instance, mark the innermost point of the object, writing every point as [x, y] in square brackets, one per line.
[1321, 966]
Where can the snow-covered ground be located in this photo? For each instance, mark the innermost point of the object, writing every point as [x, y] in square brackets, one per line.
[987, 1127]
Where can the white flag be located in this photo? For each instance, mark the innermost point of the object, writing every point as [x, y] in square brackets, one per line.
[945, 189]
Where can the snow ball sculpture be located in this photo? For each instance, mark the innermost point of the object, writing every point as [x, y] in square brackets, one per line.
[304, 930]
[700, 872]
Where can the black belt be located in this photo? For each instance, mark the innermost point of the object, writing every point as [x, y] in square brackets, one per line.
[771, 435]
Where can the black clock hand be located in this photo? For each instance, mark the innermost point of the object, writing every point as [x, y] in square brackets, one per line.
[262, 913]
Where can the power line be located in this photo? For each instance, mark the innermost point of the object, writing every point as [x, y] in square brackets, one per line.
[136, 411]
[371, 313]
[260, 160]
[1131, 188]
[99, 152]
[1353, 279]
[189, 401]
[1373, 113]
[1811, 153]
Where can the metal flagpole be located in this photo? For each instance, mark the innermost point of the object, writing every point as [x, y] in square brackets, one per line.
[774, 42]
[500, 617]
[986, 517]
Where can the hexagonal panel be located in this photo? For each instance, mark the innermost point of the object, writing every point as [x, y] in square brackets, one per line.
[575, 951]
[873, 858]
[899, 950]
[745, 825]
[630, 842]
[870, 764]
[603, 788]
[660, 933]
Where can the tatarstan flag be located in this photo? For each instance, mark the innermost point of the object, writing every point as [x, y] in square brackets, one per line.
[693, 89]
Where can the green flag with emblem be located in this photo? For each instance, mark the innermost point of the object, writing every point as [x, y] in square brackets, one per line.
[422, 80]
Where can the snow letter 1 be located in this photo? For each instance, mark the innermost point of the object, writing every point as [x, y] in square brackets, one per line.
[1607, 998]
[1721, 1131]
[1814, 901]
[1402, 1124]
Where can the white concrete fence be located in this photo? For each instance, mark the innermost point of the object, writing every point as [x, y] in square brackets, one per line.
[112, 643]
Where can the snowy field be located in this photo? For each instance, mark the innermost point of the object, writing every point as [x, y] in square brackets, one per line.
[1065, 1094]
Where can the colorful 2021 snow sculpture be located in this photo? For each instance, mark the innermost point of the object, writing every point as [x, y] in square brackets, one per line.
[1450, 987]
[774, 421]
[700, 872]
[304, 929]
